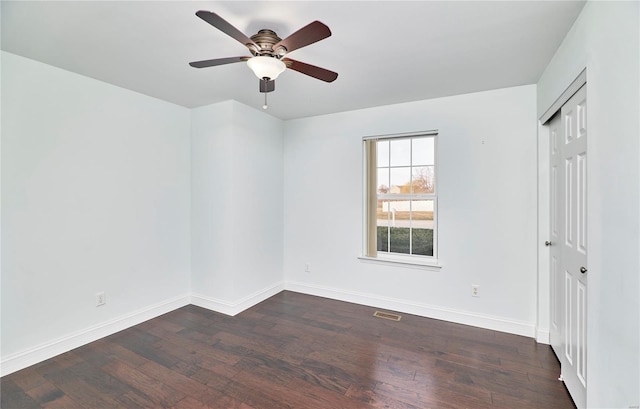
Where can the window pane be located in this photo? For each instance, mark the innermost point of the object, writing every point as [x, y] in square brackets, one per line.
[422, 214]
[383, 181]
[383, 153]
[400, 152]
[399, 240]
[422, 241]
[422, 227]
[422, 179]
[382, 213]
[423, 151]
[399, 213]
[400, 182]
[382, 234]
[382, 243]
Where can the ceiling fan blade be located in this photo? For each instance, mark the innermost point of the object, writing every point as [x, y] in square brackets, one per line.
[311, 70]
[308, 34]
[224, 26]
[217, 61]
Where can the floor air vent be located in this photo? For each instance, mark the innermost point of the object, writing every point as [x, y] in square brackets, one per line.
[387, 316]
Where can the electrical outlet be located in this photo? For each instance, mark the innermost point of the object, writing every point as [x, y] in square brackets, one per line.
[307, 267]
[475, 290]
[101, 299]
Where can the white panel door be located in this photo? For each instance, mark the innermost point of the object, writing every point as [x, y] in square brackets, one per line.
[556, 218]
[571, 248]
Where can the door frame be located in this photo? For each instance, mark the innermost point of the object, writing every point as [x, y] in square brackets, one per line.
[543, 322]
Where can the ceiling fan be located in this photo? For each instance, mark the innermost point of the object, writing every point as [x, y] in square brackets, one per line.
[268, 51]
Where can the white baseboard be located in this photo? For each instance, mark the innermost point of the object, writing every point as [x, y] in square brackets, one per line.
[543, 336]
[461, 317]
[235, 307]
[74, 340]
[31, 356]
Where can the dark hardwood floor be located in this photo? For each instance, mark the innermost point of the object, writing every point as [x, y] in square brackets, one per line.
[294, 351]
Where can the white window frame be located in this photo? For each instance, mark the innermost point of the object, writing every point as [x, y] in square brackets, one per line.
[370, 198]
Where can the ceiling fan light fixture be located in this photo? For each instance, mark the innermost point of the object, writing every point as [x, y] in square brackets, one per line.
[266, 67]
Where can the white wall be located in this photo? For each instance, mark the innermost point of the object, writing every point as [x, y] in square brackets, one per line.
[237, 200]
[605, 40]
[95, 197]
[487, 209]
[211, 253]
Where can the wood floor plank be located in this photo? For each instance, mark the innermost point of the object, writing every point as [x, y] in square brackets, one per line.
[196, 347]
[190, 403]
[187, 386]
[45, 393]
[12, 396]
[157, 391]
[423, 397]
[87, 395]
[63, 402]
[28, 378]
[367, 396]
[295, 351]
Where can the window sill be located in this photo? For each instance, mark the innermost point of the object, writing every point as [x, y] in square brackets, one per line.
[430, 264]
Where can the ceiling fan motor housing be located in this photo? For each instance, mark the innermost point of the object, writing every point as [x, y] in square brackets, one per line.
[266, 39]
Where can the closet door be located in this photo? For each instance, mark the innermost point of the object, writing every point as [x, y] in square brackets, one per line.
[569, 244]
[556, 280]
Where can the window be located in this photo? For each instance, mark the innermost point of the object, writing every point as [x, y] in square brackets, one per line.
[401, 200]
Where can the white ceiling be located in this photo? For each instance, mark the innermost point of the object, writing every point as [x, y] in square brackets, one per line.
[385, 52]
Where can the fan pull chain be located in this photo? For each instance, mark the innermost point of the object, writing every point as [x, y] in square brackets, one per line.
[265, 106]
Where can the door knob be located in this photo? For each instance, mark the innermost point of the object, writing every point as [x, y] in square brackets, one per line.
[547, 243]
[583, 269]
